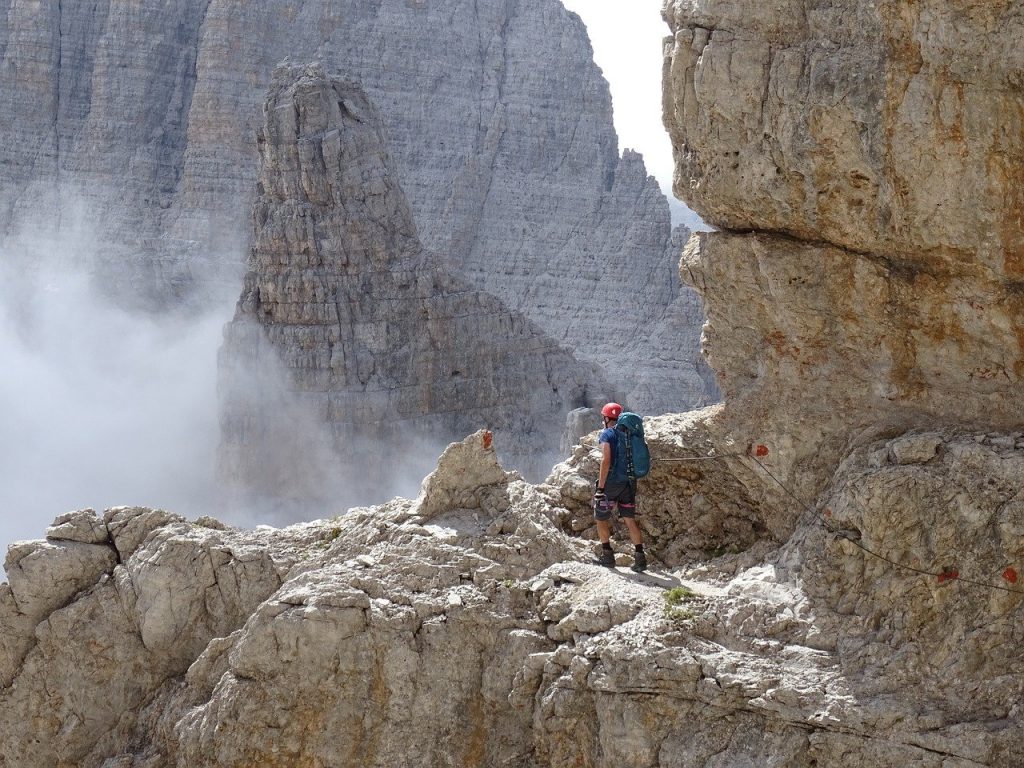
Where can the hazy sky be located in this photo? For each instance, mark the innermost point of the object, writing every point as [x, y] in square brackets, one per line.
[627, 47]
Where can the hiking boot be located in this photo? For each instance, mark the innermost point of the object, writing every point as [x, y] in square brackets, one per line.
[639, 561]
[606, 558]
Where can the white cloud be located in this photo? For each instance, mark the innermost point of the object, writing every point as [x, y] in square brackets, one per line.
[100, 407]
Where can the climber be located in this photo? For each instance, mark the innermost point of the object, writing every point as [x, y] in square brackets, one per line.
[615, 489]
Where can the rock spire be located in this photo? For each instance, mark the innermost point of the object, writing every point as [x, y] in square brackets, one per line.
[389, 354]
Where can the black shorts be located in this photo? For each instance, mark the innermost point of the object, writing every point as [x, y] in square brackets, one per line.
[621, 495]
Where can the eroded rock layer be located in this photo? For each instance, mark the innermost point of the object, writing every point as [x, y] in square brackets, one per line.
[864, 320]
[888, 128]
[870, 148]
[382, 348]
[136, 120]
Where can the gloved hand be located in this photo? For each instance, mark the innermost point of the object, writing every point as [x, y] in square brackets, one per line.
[599, 496]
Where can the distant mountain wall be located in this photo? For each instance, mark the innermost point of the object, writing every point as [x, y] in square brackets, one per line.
[141, 117]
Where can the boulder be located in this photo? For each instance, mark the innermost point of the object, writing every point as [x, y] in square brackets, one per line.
[83, 526]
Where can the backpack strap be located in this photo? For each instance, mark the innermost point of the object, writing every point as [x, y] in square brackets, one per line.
[630, 467]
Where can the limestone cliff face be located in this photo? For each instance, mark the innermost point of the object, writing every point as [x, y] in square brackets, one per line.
[383, 347]
[886, 128]
[864, 320]
[142, 117]
[874, 151]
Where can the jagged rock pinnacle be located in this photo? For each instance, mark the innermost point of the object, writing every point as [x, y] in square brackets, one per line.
[385, 356]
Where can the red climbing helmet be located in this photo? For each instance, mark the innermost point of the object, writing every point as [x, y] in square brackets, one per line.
[611, 411]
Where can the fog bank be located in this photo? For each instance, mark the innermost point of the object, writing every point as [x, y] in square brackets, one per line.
[103, 406]
[100, 407]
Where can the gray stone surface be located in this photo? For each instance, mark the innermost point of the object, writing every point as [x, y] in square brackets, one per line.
[104, 646]
[44, 576]
[81, 525]
[878, 127]
[140, 117]
[818, 346]
[468, 613]
[578, 422]
[466, 471]
[129, 526]
[916, 449]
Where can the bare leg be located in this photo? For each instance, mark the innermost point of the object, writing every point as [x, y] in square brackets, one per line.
[604, 531]
[635, 534]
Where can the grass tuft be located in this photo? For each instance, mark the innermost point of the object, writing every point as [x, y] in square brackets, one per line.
[674, 609]
[679, 594]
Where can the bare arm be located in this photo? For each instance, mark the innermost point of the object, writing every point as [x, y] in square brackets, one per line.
[606, 464]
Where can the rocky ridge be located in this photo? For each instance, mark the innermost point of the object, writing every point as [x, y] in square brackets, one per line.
[384, 349]
[142, 116]
[465, 627]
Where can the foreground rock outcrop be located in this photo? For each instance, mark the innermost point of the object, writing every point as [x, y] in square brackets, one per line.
[864, 319]
[387, 354]
[137, 121]
[466, 627]
[425, 615]
[888, 128]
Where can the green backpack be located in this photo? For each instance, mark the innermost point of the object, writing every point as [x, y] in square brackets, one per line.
[632, 458]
